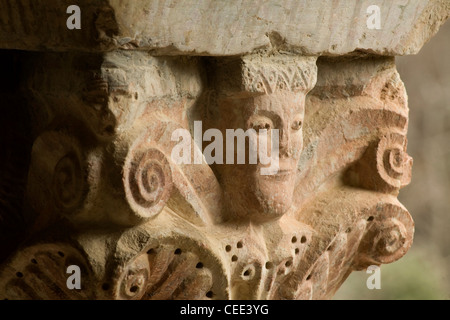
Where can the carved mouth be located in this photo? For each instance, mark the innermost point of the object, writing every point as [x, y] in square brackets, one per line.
[281, 175]
[284, 172]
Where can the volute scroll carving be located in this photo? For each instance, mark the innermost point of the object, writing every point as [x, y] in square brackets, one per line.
[148, 181]
[385, 166]
[388, 237]
[58, 166]
[393, 164]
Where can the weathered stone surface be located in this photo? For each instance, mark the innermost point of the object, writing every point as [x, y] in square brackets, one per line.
[105, 192]
[209, 27]
[222, 231]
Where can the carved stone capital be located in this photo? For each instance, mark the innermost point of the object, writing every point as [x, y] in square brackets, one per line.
[223, 230]
[146, 169]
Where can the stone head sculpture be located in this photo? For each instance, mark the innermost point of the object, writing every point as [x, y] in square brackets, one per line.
[266, 99]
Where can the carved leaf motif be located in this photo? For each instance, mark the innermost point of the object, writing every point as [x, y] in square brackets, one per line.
[168, 272]
[39, 272]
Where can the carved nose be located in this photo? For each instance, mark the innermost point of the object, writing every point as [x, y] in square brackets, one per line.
[284, 142]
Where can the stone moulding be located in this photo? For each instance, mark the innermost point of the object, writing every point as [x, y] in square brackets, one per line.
[104, 193]
[210, 27]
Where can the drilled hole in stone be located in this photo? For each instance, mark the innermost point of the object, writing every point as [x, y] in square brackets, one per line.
[239, 245]
[370, 218]
[294, 239]
[247, 272]
[199, 265]
[34, 261]
[297, 250]
[269, 265]
[134, 289]
[105, 286]
[151, 251]
[109, 129]
[303, 239]
[228, 248]
[19, 274]
[209, 294]
[234, 258]
[308, 277]
[177, 251]
[61, 254]
[288, 263]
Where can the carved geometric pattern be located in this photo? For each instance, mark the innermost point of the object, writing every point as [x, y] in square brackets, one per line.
[269, 75]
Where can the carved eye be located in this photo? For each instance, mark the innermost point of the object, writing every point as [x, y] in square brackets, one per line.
[297, 124]
[261, 123]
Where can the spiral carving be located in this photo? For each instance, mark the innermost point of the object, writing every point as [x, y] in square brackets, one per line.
[393, 163]
[148, 181]
[133, 285]
[388, 237]
[390, 240]
[58, 169]
[68, 182]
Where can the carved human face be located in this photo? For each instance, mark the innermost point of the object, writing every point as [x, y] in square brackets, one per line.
[252, 195]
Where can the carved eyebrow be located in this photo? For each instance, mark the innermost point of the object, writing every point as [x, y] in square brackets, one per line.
[269, 114]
